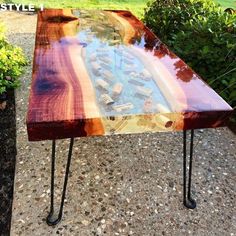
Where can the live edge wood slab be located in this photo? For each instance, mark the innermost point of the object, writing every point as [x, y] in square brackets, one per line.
[104, 72]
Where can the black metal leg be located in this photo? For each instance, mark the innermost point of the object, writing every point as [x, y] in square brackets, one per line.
[187, 199]
[51, 219]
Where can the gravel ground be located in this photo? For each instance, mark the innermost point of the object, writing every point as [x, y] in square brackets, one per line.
[120, 185]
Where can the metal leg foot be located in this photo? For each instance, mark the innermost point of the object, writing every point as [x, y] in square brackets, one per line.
[187, 199]
[51, 218]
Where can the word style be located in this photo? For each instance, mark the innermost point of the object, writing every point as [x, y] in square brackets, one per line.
[18, 7]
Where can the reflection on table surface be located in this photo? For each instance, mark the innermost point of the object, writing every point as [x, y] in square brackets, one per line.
[106, 66]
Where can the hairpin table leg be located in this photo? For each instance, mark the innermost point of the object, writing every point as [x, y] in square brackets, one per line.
[188, 201]
[51, 219]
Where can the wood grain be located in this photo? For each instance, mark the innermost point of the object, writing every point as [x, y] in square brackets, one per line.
[81, 56]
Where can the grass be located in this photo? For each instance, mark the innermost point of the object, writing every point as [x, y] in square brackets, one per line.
[227, 3]
[136, 6]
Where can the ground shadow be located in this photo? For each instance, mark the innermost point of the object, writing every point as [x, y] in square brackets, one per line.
[7, 163]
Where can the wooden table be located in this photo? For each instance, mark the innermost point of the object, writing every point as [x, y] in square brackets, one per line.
[104, 73]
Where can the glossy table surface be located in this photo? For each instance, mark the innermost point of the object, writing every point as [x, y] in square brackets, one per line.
[104, 72]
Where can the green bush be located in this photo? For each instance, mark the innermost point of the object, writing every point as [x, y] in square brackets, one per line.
[201, 34]
[12, 61]
[168, 17]
[212, 53]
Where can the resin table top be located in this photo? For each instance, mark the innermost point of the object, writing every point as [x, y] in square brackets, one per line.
[104, 72]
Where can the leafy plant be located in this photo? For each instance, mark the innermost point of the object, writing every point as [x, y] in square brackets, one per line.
[12, 61]
[168, 17]
[202, 35]
[212, 53]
